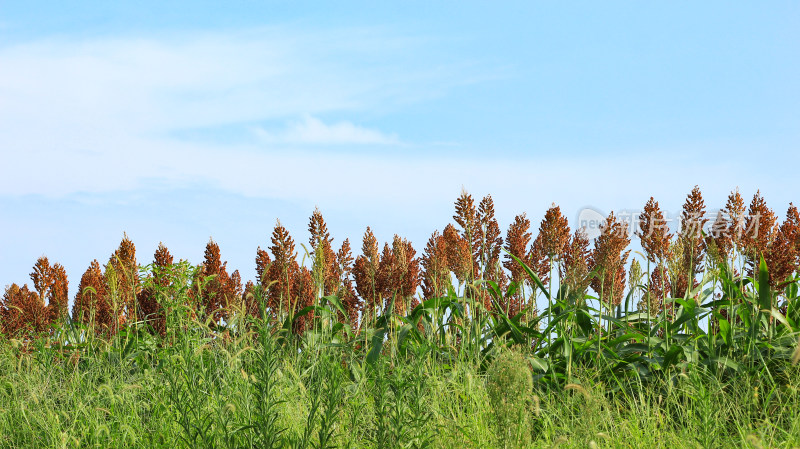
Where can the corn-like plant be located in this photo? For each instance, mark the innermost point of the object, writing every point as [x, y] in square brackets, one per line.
[220, 292]
[365, 273]
[608, 260]
[152, 304]
[92, 304]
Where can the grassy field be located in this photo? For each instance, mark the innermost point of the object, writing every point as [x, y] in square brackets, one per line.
[692, 344]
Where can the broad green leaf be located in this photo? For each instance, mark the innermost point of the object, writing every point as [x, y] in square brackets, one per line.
[764, 292]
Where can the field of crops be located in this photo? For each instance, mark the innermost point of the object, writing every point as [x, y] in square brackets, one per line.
[536, 338]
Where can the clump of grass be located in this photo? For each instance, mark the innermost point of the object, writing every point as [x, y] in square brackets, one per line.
[509, 385]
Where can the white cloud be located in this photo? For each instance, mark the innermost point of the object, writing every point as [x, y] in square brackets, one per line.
[101, 115]
[313, 131]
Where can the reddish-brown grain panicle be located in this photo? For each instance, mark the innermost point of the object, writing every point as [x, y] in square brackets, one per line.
[127, 275]
[322, 253]
[162, 258]
[575, 264]
[42, 277]
[344, 267]
[222, 291]
[692, 223]
[249, 300]
[262, 267]
[150, 303]
[282, 270]
[435, 269]
[782, 254]
[303, 296]
[466, 216]
[386, 275]
[91, 301]
[720, 237]
[233, 289]
[59, 291]
[537, 259]
[793, 228]
[459, 257]
[50, 283]
[735, 209]
[658, 289]
[212, 265]
[366, 270]
[554, 231]
[398, 274]
[23, 313]
[408, 263]
[344, 261]
[488, 242]
[654, 232]
[518, 238]
[609, 258]
[760, 226]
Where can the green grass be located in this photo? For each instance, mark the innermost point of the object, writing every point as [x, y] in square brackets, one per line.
[448, 374]
[259, 390]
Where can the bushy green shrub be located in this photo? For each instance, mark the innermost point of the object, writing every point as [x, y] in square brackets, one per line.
[509, 384]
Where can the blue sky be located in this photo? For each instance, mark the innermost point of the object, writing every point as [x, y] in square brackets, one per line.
[177, 121]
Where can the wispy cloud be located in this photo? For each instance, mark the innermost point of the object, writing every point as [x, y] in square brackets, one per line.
[311, 130]
[103, 114]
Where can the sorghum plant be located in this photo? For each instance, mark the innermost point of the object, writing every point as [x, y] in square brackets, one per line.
[303, 295]
[518, 238]
[281, 273]
[608, 260]
[217, 291]
[435, 270]
[398, 274]
[22, 313]
[759, 231]
[735, 210]
[91, 304]
[126, 276]
[555, 233]
[459, 258]
[692, 223]
[718, 242]
[467, 217]
[152, 311]
[655, 238]
[782, 255]
[344, 268]
[488, 243]
[322, 255]
[537, 259]
[51, 284]
[575, 266]
[365, 273]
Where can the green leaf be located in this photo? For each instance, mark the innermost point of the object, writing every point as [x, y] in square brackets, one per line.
[792, 290]
[764, 292]
[672, 356]
[726, 362]
[336, 303]
[531, 274]
[377, 346]
[724, 329]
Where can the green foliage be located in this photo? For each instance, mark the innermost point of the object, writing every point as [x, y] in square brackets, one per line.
[509, 385]
[714, 369]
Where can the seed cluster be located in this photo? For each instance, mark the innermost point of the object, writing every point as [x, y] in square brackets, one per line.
[465, 254]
